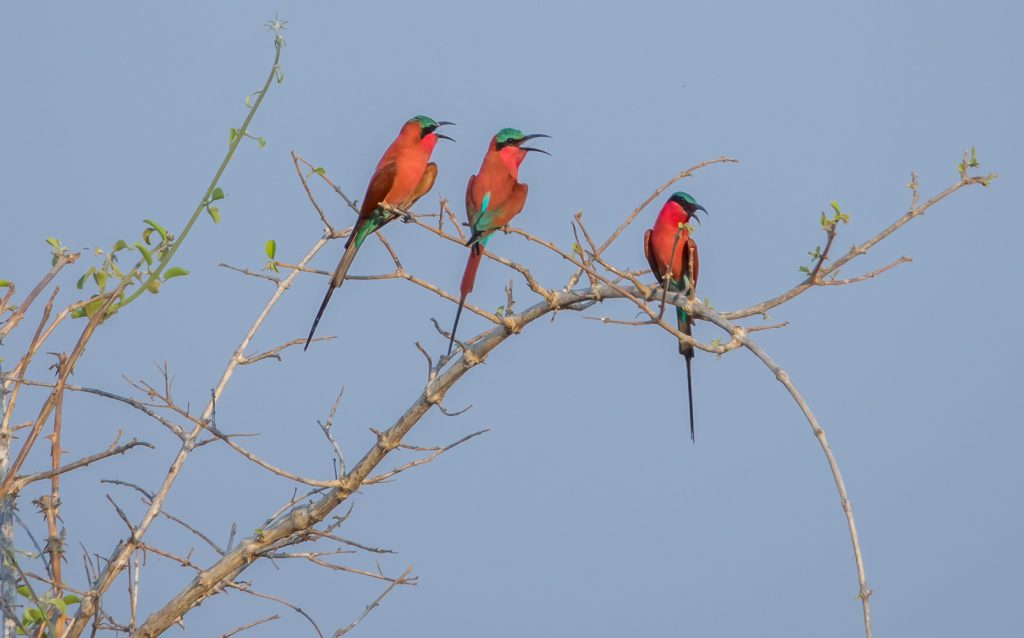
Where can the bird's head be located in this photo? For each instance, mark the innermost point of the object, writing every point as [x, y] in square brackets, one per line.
[688, 204]
[428, 126]
[511, 138]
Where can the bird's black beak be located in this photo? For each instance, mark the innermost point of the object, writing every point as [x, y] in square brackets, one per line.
[530, 137]
[530, 148]
[442, 135]
[694, 215]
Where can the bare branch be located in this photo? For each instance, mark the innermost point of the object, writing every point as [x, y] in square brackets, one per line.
[870, 275]
[113, 450]
[657, 193]
[246, 588]
[251, 273]
[326, 427]
[401, 580]
[250, 625]
[275, 353]
[427, 459]
[917, 209]
[63, 260]
[305, 185]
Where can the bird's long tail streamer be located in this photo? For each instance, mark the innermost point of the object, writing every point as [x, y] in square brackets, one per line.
[686, 350]
[351, 247]
[476, 253]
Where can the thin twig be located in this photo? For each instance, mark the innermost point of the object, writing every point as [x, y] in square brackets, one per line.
[250, 625]
[401, 580]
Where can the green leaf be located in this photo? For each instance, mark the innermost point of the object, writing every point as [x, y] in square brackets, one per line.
[78, 313]
[176, 271]
[271, 248]
[214, 213]
[158, 228]
[974, 163]
[217, 193]
[120, 245]
[101, 279]
[34, 614]
[25, 591]
[53, 242]
[81, 280]
[262, 142]
[71, 599]
[835, 207]
[805, 269]
[153, 286]
[232, 134]
[319, 170]
[59, 604]
[4, 283]
[148, 256]
[93, 307]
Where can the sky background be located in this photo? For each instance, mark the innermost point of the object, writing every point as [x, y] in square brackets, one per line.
[585, 509]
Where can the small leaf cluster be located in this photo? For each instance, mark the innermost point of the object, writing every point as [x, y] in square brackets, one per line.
[233, 133]
[154, 243]
[58, 249]
[968, 162]
[211, 210]
[34, 618]
[828, 223]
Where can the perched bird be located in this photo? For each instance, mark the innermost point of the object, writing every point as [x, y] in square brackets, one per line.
[403, 175]
[493, 197]
[672, 254]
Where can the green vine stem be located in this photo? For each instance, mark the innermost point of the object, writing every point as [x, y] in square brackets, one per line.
[165, 259]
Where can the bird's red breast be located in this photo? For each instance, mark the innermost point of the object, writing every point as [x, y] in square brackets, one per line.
[663, 238]
[400, 168]
[499, 176]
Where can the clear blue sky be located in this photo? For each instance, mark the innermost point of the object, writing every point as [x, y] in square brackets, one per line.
[585, 510]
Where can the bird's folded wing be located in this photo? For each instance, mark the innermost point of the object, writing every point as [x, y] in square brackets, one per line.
[423, 187]
[380, 185]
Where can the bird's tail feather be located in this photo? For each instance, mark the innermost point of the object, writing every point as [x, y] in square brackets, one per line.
[476, 253]
[337, 279]
[689, 395]
[685, 327]
[684, 323]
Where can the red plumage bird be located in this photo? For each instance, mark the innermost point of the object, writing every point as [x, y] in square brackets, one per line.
[672, 254]
[493, 197]
[402, 176]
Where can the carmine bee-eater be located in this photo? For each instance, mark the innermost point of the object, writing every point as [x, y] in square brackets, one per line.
[403, 175]
[493, 197]
[672, 254]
